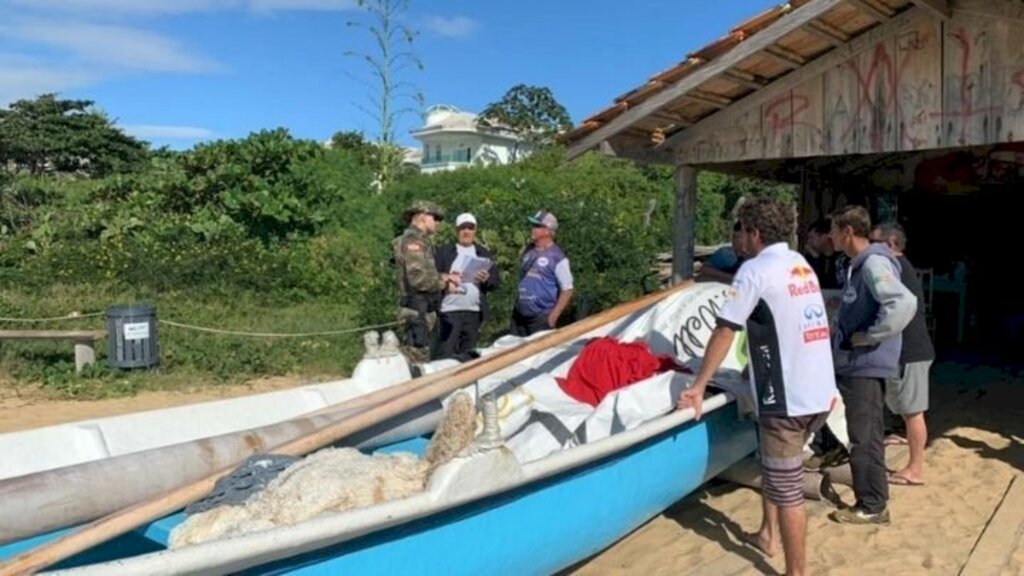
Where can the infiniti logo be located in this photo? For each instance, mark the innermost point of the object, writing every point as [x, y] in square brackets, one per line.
[813, 311]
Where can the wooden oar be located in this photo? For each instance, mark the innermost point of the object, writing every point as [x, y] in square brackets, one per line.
[418, 394]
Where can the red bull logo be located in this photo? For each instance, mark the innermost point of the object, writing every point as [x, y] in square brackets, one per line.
[806, 282]
[802, 272]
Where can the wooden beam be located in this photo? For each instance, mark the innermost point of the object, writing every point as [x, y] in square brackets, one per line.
[827, 32]
[872, 10]
[786, 57]
[745, 79]
[937, 8]
[672, 118]
[836, 57]
[992, 9]
[639, 150]
[684, 224]
[771, 34]
[708, 98]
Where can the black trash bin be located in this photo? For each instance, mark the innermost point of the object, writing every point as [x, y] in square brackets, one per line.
[132, 336]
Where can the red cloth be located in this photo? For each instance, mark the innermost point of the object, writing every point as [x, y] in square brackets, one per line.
[605, 365]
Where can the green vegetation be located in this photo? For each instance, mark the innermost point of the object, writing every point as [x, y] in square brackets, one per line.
[276, 234]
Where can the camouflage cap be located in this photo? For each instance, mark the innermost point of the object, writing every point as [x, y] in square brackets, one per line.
[423, 207]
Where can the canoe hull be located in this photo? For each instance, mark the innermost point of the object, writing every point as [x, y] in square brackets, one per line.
[548, 525]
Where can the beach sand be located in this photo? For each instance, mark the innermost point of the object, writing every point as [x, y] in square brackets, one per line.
[977, 424]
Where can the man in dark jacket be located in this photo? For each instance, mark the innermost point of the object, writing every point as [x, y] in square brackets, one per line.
[876, 307]
[907, 394]
[464, 310]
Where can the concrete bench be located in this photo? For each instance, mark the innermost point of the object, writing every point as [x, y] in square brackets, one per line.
[84, 340]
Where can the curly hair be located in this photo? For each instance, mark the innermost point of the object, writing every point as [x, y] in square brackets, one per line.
[773, 219]
[856, 217]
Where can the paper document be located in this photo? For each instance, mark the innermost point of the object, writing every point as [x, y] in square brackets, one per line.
[469, 266]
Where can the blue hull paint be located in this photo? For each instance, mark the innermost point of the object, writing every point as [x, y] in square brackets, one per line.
[539, 528]
[547, 526]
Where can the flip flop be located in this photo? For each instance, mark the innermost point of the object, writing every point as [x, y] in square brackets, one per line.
[901, 480]
[894, 440]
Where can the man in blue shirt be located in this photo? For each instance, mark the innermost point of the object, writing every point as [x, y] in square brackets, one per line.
[545, 280]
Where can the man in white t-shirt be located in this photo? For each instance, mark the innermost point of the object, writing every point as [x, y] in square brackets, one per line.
[777, 299]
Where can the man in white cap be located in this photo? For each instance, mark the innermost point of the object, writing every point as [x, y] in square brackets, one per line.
[464, 310]
[545, 280]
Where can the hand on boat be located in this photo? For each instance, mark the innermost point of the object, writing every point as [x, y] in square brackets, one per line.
[692, 397]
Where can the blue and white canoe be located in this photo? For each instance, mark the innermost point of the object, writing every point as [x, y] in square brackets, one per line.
[482, 513]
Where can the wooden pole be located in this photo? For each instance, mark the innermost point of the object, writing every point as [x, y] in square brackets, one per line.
[418, 394]
[684, 225]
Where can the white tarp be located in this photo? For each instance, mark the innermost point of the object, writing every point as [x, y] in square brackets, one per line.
[537, 418]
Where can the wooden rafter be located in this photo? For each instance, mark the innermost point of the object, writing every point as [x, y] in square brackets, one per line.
[872, 9]
[745, 49]
[938, 8]
[637, 149]
[707, 98]
[745, 79]
[828, 32]
[785, 57]
[675, 119]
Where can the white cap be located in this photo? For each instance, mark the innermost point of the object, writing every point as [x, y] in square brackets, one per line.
[465, 218]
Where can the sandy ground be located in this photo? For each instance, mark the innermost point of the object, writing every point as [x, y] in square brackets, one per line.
[978, 447]
[977, 426]
[28, 408]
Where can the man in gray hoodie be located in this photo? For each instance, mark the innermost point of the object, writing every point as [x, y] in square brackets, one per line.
[876, 307]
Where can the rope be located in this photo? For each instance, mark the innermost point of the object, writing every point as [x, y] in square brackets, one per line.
[275, 334]
[71, 316]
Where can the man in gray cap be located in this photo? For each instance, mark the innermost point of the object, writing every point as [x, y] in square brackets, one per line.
[419, 282]
[545, 280]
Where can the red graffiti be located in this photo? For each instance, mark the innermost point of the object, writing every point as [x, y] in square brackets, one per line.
[784, 113]
[875, 98]
[966, 110]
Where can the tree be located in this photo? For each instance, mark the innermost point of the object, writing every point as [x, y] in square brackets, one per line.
[531, 112]
[51, 134]
[388, 94]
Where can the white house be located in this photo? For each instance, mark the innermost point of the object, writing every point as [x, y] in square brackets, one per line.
[452, 139]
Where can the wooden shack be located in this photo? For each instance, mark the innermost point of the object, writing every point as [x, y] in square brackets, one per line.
[913, 108]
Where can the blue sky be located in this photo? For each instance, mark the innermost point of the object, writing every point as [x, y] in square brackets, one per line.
[178, 72]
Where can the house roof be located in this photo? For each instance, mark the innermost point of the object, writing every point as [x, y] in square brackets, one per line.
[750, 57]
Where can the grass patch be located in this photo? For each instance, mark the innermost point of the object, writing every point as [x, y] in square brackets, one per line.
[187, 358]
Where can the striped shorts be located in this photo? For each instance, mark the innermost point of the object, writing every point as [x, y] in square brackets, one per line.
[782, 456]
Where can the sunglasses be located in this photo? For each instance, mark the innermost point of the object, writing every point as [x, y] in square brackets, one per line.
[467, 227]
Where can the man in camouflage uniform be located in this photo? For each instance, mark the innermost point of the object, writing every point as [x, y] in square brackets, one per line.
[419, 282]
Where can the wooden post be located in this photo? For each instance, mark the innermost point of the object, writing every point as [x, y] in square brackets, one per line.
[85, 354]
[684, 225]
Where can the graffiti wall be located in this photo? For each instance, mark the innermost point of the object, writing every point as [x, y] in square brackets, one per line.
[932, 84]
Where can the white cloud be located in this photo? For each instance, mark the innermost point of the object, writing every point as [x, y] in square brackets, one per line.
[112, 45]
[164, 132]
[454, 27]
[22, 77]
